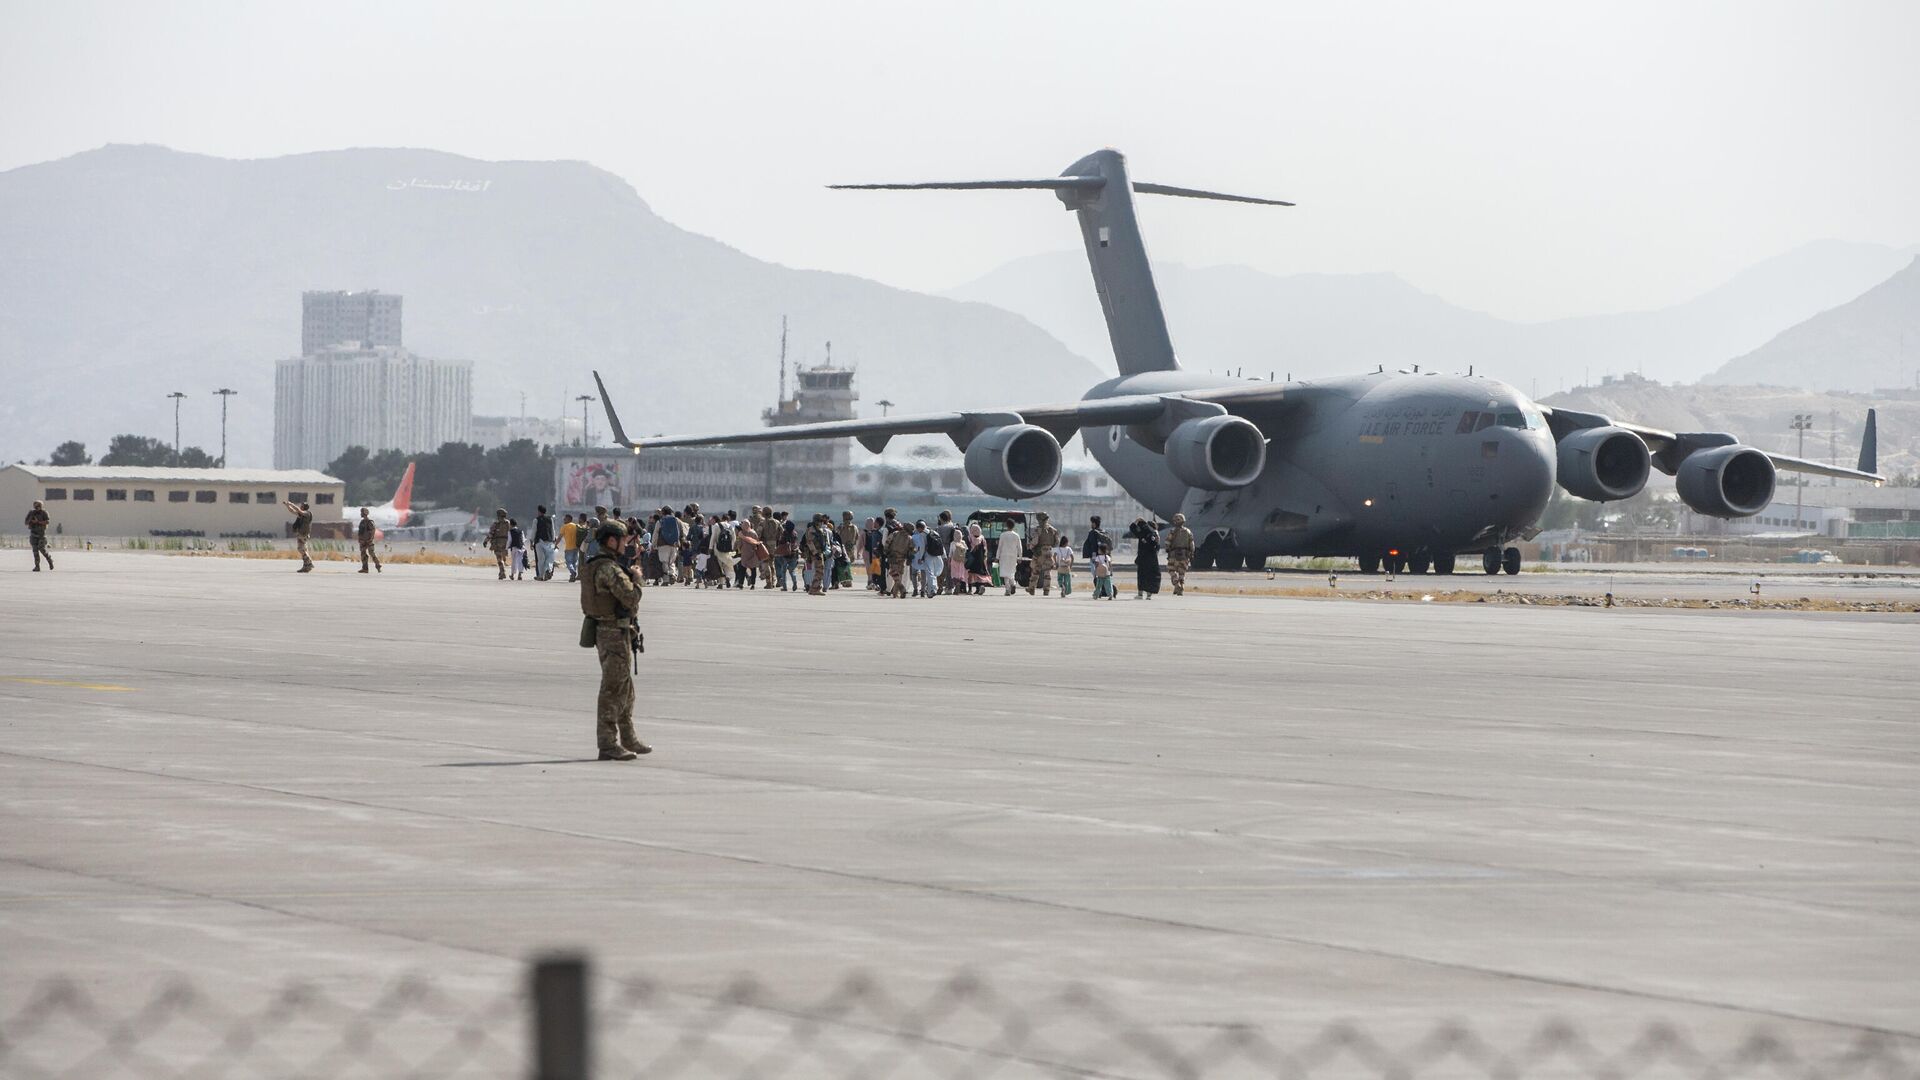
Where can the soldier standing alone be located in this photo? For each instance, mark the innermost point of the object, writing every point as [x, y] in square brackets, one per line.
[1040, 570]
[37, 522]
[610, 596]
[302, 532]
[365, 531]
[1179, 553]
[497, 536]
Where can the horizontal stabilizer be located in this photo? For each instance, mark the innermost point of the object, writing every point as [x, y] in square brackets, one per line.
[1058, 183]
[1196, 193]
[1045, 183]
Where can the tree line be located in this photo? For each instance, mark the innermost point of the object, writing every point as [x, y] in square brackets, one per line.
[518, 476]
[133, 450]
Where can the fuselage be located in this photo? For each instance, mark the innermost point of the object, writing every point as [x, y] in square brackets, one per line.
[1368, 464]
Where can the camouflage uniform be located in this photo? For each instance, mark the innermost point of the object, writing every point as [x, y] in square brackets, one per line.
[37, 522]
[813, 555]
[849, 533]
[302, 533]
[1043, 540]
[768, 530]
[610, 595]
[899, 549]
[497, 541]
[365, 531]
[1179, 553]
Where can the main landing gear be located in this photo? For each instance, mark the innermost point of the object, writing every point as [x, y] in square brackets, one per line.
[1494, 560]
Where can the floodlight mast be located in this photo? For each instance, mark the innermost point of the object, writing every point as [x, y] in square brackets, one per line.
[224, 394]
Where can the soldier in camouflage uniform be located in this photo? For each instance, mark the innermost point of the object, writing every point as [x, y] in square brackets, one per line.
[898, 547]
[497, 535]
[1179, 553]
[37, 522]
[302, 532]
[1043, 540]
[849, 534]
[365, 531]
[610, 596]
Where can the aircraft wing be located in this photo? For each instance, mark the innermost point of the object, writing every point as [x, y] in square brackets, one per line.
[1061, 420]
[1665, 444]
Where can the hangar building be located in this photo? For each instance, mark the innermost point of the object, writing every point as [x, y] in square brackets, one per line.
[112, 500]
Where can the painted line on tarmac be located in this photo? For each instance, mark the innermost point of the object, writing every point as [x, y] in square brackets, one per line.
[66, 683]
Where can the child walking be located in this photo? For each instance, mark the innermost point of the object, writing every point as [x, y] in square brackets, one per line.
[1103, 573]
[1063, 565]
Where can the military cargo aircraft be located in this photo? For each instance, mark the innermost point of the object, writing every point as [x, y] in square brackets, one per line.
[1406, 469]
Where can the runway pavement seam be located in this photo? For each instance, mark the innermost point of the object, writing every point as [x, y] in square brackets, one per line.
[949, 890]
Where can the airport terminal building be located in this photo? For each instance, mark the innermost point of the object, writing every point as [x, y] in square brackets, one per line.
[108, 500]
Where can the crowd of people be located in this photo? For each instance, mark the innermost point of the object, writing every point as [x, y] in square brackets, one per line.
[769, 549]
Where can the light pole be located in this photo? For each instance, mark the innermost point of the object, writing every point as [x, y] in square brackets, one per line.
[585, 400]
[224, 395]
[176, 396]
[1801, 422]
[884, 406]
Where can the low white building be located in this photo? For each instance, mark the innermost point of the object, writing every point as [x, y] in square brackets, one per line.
[113, 500]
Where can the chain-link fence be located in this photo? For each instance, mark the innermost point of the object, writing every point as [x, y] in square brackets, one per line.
[565, 1025]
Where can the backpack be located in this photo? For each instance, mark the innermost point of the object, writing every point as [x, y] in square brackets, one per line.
[670, 530]
[723, 538]
[934, 548]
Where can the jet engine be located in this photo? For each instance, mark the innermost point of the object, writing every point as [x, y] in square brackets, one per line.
[1726, 481]
[1016, 461]
[1216, 453]
[1604, 464]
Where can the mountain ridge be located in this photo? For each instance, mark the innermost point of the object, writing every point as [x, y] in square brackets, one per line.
[1232, 316]
[535, 271]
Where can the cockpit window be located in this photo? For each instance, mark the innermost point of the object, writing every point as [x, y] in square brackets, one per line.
[1486, 421]
[1513, 420]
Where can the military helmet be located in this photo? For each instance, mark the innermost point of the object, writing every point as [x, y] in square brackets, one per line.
[1179, 519]
[609, 530]
[1042, 515]
[500, 513]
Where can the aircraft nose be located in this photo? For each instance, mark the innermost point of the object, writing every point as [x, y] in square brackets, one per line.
[1527, 476]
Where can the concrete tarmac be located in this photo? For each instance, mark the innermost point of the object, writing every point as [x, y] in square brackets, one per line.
[1210, 808]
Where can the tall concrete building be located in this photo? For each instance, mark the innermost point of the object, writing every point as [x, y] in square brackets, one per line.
[382, 399]
[354, 385]
[366, 320]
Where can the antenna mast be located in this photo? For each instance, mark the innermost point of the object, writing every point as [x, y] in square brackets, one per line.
[783, 359]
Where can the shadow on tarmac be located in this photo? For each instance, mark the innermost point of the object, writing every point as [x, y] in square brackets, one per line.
[502, 764]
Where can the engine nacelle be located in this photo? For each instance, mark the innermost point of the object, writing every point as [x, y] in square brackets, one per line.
[1604, 464]
[1018, 461]
[1726, 481]
[1217, 453]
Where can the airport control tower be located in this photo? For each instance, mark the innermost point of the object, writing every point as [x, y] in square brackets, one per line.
[816, 474]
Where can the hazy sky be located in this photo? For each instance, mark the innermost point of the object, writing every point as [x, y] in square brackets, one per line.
[1530, 160]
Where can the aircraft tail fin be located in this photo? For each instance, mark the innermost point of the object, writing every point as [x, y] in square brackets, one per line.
[403, 495]
[1870, 445]
[613, 418]
[1097, 189]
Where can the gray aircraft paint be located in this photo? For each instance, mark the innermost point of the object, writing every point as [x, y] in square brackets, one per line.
[1424, 464]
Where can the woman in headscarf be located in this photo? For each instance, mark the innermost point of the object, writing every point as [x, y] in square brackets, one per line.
[956, 558]
[979, 574]
[1146, 557]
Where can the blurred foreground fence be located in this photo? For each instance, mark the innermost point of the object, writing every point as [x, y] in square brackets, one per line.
[565, 1025]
